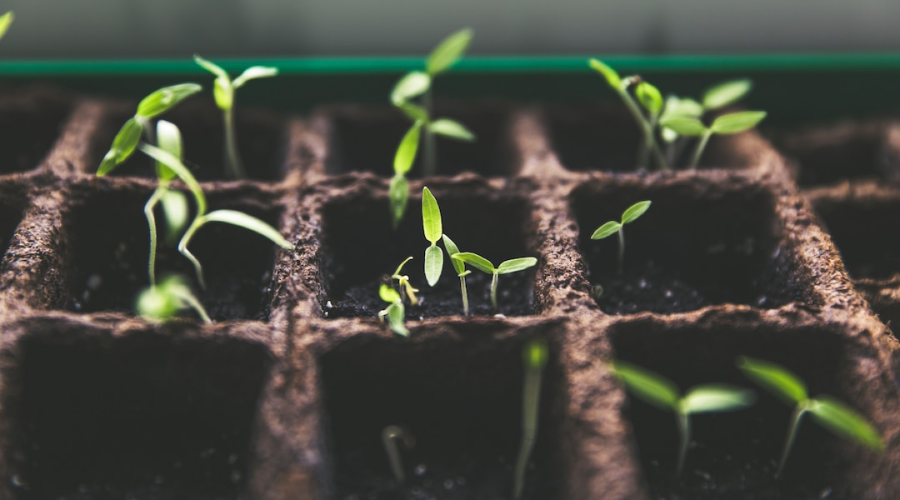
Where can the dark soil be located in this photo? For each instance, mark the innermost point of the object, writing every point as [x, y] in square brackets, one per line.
[31, 123]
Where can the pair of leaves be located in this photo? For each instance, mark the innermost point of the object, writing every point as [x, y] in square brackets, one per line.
[726, 94]
[165, 300]
[395, 312]
[433, 228]
[731, 123]
[224, 86]
[485, 266]
[629, 215]
[445, 55]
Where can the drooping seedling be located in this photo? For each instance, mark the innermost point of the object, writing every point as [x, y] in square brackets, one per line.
[731, 123]
[460, 269]
[485, 266]
[164, 300]
[390, 436]
[403, 283]
[223, 90]
[612, 227]
[832, 414]
[662, 393]
[395, 312]
[534, 358]
[431, 222]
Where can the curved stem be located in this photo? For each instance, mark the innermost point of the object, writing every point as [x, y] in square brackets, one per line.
[195, 304]
[233, 166]
[645, 127]
[684, 431]
[183, 250]
[791, 435]
[151, 222]
[494, 290]
[465, 295]
[699, 151]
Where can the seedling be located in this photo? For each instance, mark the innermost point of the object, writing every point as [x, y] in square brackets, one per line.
[662, 393]
[731, 123]
[832, 414]
[431, 222]
[460, 269]
[5, 21]
[485, 266]
[223, 91]
[389, 438]
[608, 229]
[403, 161]
[534, 358]
[394, 312]
[163, 301]
[403, 283]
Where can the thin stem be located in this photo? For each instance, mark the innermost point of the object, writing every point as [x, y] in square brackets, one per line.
[183, 250]
[233, 166]
[195, 304]
[700, 147]
[151, 222]
[430, 167]
[645, 126]
[684, 431]
[531, 394]
[465, 295]
[645, 148]
[791, 434]
[494, 290]
[389, 437]
[621, 249]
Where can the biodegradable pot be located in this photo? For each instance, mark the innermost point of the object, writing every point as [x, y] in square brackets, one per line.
[285, 396]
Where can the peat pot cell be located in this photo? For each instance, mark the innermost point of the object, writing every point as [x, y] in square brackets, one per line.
[865, 232]
[10, 216]
[688, 251]
[31, 125]
[461, 402]
[366, 139]
[734, 455]
[360, 251]
[605, 137]
[109, 246]
[143, 416]
[260, 136]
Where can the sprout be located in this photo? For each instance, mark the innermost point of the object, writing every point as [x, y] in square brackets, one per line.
[662, 393]
[223, 91]
[163, 301]
[389, 437]
[485, 266]
[5, 21]
[534, 358]
[395, 312]
[431, 222]
[460, 269]
[403, 283]
[398, 192]
[611, 227]
[731, 123]
[832, 414]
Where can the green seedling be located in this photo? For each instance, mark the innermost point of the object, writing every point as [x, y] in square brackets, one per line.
[608, 229]
[731, 123]
[662, 393]
[152, 106]
[830, 413]
[534, 358]
[404, 284]
[163, 301]
[394, 312]
[223, 91]
[460, 269]
[390, 436]
[5, 22]
[485, 266]
[431, 222]
[398, 192]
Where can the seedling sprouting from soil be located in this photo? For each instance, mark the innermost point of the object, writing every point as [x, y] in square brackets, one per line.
[5, 21]
[404, 284]
[163, 301]
[608, 229]
[731, 123]
[431, 222]
[403, 161]
[832, 414]
[223, 91]
[534, 357]
[662, 393]
[460, 269]
[394, 312]
[485, 266]
[389, 438]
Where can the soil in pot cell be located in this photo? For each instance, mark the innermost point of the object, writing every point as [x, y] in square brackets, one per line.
[459, 399]
[360, 251]
[366, 139]
[31, 123]
[734, 455]
[261, 138]
[109, 246]
[693, 248]
[141, 417]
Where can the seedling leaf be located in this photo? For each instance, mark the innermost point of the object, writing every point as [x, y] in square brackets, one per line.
[434, 263]
[122, 147]
[406, 152]
[842, 420]
[451, 128]
[775, 379]
[414, 112]
[399, 197]
[169, 139]
[175, 210]
[635, 211]
[648, 386]
[412, 85]
[431, 217]
[733, 123]
[249, 222]
[606, 230]
[223, 93]
[612, 77]
[726, 93]
[675, 106]
[395, 314]
[212, 67]
[165, 98]
[388, 294]
[713, 398]
[5, 21]
[476, 261]
[181, 171]
[516, 265]
[165, 300]
[254, 73]
[684, 125]
[449, 51]
[650, 97]
[452, 250]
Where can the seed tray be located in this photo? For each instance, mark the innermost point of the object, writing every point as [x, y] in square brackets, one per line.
[285, 395]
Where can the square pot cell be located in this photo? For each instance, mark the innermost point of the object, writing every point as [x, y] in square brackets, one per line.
[141, 416]
[365, 139]
[605, 137]
[31, 124]
[108, 247]
[460, 400]
[261, 138]
[734, 455]
[360, 251]
[694, 247]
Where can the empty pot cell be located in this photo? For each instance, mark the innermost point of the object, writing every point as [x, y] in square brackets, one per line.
[693, 248]
[109, 245]
[31, 124]
[366, 140]
[360, 251]
[466, 422]
[260, 137]
[140, 416]
[734, 455]
[606, 137]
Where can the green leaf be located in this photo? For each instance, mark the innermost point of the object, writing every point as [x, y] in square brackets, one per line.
[169, 139]
[406, 152]
[476, 261]
[726, 93]
[775, 379]
[844, 421]
[684, 125]
[250, 223]
[719, 397]
[5, 21]
[449, 51]
[254, 73]
[212, 67]
[123, 146]
[431, 217]
[516, 265]
[396, 313]
[634, 211]
[181, 171]
[434, 264]
[400, 267]
[669, 135]
[175, 210]
[676, 106]
[165, 300]
[399, 196]
[647, 385]
[414, 112]
[452, 129]
[388, 294]
[733, 123]
[612, 78]
[606, 230]
[412, 85]
[650, 97]
[535, 354]
[165, 98]
[223, 93]
[452, 250]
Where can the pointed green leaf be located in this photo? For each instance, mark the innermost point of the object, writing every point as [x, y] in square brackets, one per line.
[181, 171]
[449, 51]
[733, 123]
[649, 97]
[388, 294]
[717, 397]
[399, 197]
[431, 217]
[123, 146]
[844, 421]
[412, 85]
[406, 152]
[476, 261]
[635, 211]
[396, 313]
[250, 223]
[223, 92]
[175, 210]
[775, 379]
[649, 386]
[165, 98]
[726, 93]
[254, 73]
[606, 230]
[676, 106]
[169, 139]
[414, 112]
[452, 250]
[212, 67]
[452, 129]
[400, 267]
[684, 125]
[5, 21]
[516, 265]
[434, 264]
[612, 77]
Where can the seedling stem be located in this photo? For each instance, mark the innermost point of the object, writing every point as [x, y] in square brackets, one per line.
[485, 266]
[389, 438]
[534, 355]
[460, 269]
[629, 215]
